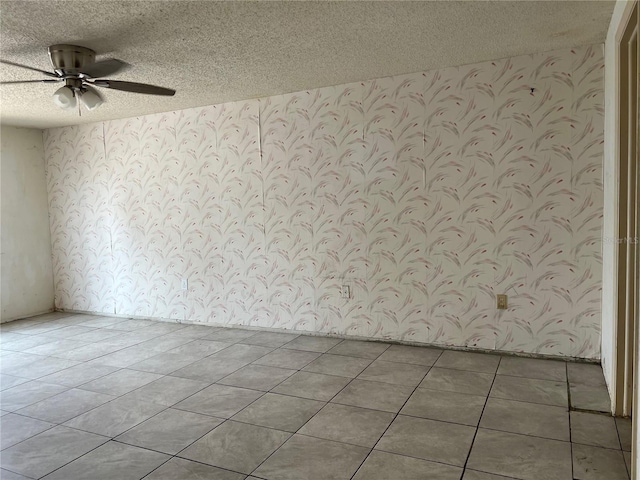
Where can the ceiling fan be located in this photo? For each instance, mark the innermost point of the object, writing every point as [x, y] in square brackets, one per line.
[77, 68]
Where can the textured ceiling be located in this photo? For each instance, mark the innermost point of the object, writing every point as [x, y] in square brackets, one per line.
[214, 52]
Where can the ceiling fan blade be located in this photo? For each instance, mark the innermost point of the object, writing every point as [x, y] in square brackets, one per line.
[49, 74]
[46, 80]
[104, 68]
[134, 87]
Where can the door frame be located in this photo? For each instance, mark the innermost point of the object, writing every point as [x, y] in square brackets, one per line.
[627, 360]
[627, 256]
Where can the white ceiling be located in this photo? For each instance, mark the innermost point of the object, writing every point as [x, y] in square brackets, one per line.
[214, 52]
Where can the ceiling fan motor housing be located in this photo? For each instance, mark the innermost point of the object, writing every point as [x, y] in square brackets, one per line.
[70, 59]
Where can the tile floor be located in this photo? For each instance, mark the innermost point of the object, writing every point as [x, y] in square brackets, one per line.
[92, 397]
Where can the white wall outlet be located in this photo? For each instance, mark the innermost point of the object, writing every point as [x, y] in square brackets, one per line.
[345, 291]
[185, 284]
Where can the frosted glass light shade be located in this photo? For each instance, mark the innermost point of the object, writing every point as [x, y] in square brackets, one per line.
[90, 98]
[65, 98]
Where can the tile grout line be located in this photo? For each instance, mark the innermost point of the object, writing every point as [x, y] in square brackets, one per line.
[114, 399]
[615, 422]
[326, 403]
[475, 434]
[61, 393]
[396, 415]
[263, 393]
[28, 438]
[569, 418]
[224, 420]
[77, 458]
[176, 457]
[171, 457]
[313, 334]
[113, 438]
[500, 353]
[297, 432]
[247, 406]
[301, 426]
[242, 409]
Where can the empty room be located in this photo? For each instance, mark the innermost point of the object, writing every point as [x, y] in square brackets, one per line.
[342, 240]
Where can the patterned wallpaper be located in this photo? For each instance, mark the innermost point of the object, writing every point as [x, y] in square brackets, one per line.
[426, 194]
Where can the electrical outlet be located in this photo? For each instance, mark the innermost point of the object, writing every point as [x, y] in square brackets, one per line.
[345, 291]
[185, 284]
[502, 302]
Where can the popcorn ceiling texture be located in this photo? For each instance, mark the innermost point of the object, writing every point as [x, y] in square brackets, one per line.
[426, 193]
[215, 52]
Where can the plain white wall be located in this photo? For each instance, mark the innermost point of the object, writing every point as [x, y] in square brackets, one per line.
[619, 18]
[27, 274]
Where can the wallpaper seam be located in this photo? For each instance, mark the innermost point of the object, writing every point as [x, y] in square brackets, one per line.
[264, 224]
[111, 206]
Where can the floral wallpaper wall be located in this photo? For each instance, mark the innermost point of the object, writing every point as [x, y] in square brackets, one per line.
[425, 194]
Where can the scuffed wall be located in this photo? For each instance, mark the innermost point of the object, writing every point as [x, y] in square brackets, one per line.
[27, 278]
[426, 194]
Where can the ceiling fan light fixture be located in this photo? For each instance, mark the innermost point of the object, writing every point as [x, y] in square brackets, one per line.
[78, 68]
[65, 98]
[90, 98]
